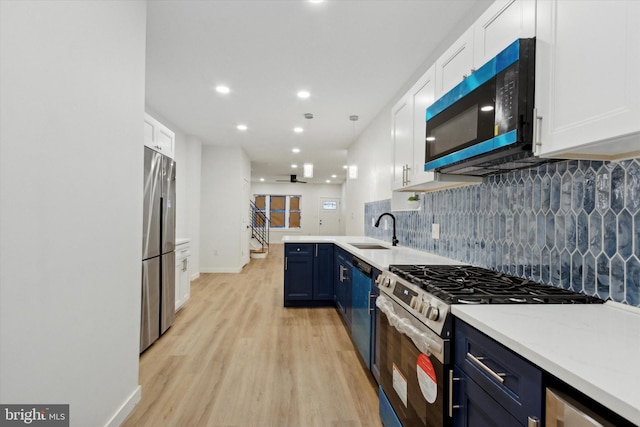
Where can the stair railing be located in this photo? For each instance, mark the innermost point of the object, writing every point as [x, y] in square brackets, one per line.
[260, 225]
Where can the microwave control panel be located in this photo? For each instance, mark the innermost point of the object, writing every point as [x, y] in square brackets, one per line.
[506, 100]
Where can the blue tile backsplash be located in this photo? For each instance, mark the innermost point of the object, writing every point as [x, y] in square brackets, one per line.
[571, 224]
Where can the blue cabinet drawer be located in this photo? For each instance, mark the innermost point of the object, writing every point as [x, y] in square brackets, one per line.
[299, 249]
[513, 382]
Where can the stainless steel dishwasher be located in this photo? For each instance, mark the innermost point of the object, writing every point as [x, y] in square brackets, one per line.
[564, 411]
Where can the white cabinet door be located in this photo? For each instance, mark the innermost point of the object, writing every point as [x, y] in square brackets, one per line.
[455, 64]
[158, 137]
[500, 25]
[422, 96]
[587, 85]
[183, 279]
[402, 138]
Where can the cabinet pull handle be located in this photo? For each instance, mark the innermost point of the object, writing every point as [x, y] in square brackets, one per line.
[407, 178]
[369, 302]
[537, 123]
[498, 376]
[451, 405]
[317, 246]
[533, 422]
[285, 263]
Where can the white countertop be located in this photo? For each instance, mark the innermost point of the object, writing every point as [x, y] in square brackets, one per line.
[182, 241]
[378, 258]
[595, 348]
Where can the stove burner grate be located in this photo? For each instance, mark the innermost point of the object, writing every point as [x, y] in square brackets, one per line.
[474, 285]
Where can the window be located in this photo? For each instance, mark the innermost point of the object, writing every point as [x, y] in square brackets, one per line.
[282, 211]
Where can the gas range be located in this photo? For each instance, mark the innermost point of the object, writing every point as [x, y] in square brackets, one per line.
[428, 291]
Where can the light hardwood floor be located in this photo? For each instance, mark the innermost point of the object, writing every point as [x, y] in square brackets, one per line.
[235, 357]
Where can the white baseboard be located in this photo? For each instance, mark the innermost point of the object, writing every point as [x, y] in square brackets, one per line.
[194, 276]
[126, 408]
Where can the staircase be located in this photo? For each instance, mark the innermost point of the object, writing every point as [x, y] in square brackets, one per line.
[260, 224]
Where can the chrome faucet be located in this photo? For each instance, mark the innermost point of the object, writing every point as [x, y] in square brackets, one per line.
[394, 239]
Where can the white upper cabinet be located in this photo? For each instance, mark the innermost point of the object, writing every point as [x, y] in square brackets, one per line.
[502, 23]
[422, 96]
[158, 137]
[455, 64]
[587, 85]
[409, 132]
[402, 138]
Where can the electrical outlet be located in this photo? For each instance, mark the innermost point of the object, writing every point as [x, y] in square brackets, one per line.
[386, 224]
[373, 222]
[435, 231]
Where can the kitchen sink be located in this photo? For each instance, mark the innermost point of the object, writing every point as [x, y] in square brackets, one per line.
[368, 246]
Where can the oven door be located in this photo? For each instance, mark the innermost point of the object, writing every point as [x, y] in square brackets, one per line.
[413, 380]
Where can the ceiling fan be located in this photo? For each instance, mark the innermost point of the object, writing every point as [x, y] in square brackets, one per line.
[293, 179]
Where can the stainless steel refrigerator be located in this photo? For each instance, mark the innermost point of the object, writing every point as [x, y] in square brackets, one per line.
[158, 245]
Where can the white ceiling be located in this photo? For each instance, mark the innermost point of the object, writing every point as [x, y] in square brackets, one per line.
[352, 55]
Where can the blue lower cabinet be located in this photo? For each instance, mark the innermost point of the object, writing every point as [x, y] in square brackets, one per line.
[387, 414]
[477, 408]
[342, 283]
[497, 387]
[323, 272]
[308, 274]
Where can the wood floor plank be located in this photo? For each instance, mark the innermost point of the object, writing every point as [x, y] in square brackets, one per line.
[235, 357]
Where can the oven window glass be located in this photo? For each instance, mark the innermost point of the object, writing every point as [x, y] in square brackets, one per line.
[454, 133]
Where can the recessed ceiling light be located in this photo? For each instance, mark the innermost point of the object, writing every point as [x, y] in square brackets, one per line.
[316, 1]
[241, 127]
[345, 167]
[294, 166]
[431, 138]
[486, 108]
[222, 89]
[328, 181]
[261, 179]
[298, 130]
[303, 94]
[334, 176]
[295, 150]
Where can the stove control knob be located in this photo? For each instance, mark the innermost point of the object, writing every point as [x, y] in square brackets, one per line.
[414, 303]
[433, 313]
[425, 308]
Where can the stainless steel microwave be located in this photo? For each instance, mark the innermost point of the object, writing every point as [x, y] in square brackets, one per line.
[484, 125]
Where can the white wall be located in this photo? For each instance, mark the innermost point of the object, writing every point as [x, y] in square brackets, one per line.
[310, 205]
[193, 177]
[72, 107]
[373, 154]
[224, 205]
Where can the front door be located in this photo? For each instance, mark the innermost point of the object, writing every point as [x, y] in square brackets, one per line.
[329, 216]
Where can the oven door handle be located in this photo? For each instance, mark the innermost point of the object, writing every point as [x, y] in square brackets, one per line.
[424, 343]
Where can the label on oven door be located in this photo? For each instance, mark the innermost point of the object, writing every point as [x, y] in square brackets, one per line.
[427, 378]
[400, 384]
